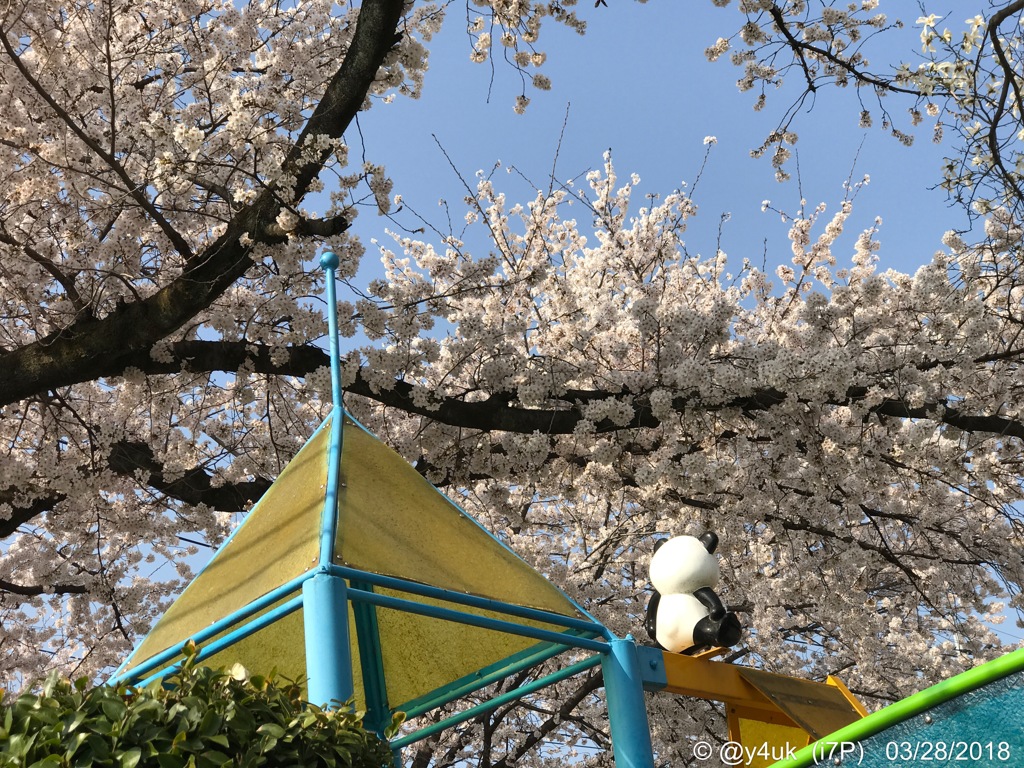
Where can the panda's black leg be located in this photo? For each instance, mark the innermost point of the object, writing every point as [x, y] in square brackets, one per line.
[706, 632]
[725, 632]
[730, 631]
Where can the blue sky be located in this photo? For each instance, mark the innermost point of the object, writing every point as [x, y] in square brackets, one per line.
[639, 84]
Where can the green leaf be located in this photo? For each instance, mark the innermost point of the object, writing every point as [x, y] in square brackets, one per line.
[176, 742]
[76, 720]
[259, 682]
[397, 720]
[131, 758]
[213, 758]
[100, 747]
[50, 761]
[211, 723]
[271, 729]
[114, 709]
[102, 726]
[19, 744]
[72, 745]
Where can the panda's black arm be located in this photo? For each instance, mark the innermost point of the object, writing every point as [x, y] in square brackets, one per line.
[711, 601]
[651, 622]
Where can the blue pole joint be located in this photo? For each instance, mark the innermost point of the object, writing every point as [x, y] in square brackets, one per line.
[627, 710]
[328, 652]
[652, 667]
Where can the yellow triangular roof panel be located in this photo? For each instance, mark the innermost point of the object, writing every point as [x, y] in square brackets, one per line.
[277, 542]
[393, 522]
[423, 654]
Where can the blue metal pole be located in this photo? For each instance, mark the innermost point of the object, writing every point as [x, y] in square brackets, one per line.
[497, 701]
[329, 521]
[371, 661]
[329, 263]
[627, 710]
[461, 617]
[328, 653]
[461, 598]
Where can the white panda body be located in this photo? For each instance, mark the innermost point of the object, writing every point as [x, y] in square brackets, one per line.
[682, 564]
[678, 614]
[685, 611]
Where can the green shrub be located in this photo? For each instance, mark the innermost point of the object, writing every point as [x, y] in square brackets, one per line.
[205, 719]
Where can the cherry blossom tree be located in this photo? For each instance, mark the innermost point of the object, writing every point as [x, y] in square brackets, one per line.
[966, 81]
[585, 383]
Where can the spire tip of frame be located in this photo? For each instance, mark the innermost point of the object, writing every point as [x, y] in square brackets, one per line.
[329, 260]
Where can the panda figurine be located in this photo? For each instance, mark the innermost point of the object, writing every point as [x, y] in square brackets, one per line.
[684, 611]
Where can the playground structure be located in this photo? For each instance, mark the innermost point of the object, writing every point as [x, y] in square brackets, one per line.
[352, 569]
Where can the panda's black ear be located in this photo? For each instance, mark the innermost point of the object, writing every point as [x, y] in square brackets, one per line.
[710, 542]
[658, 543]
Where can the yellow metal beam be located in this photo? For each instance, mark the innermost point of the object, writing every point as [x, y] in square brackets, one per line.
[712, 680]
[817, 708]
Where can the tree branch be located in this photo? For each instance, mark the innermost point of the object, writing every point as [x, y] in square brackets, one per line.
[90, 348]
[35, 590]
[495, 413]
[594, 681]
[193, 487]
[127, 458]
[23, 513]
[800, 47]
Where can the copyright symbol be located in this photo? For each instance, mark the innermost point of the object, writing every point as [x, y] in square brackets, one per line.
[702, 750]
[731, 753]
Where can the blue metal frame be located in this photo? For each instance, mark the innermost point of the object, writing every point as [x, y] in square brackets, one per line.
[530, 657]
[627, 710]
[329, 524]
[497, 701]
[328, 651]
[473, 601]
[211, 631]
[461, 617]
[231, 638]
[371, 663]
